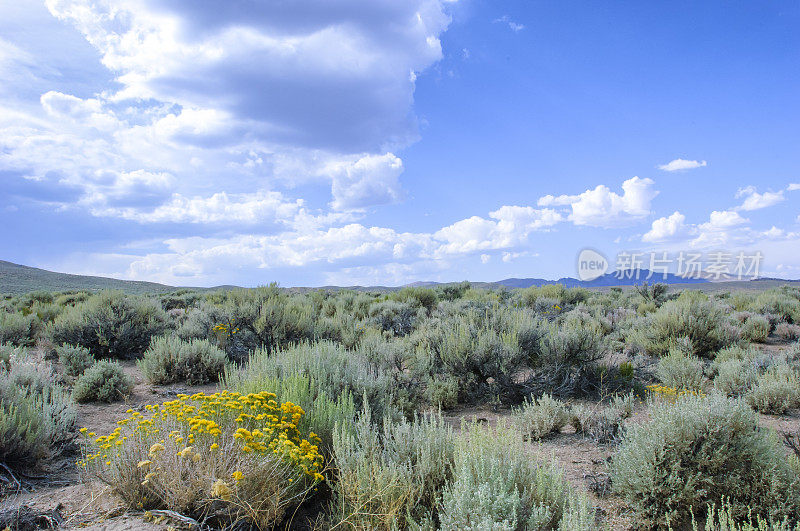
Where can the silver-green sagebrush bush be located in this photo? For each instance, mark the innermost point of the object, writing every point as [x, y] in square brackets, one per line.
[775, 391]
[105, 381]
[74, 359]
[537, 418]
[696, 451]
[680, 369]
[18, 329]
[37, 418]
[170, 359]
[691, 315]
[755, 329]
[496, 485]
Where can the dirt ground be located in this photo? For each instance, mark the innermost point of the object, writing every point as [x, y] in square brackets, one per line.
[91, 506]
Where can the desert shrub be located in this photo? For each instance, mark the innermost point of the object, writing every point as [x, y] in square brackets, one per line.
[681, 370]
[481, 359]
[735, 376]
[227, 459]
[170, 359]
[721, 518]
[690, 316]
[775, 391]
[399, 318]
[537, 418]
[110, 325]
[779, 303]
[17, 329]
[390, 478]
[565, 364]
[789, 332]
[442, 392]
[37, 418]
[496, 485]
[755, 329]
[695, 451]
[104, 381]
[603, 424]
[417, 296]
[74, 359]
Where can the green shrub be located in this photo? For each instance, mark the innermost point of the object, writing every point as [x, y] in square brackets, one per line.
[496, 485]
[17, 329]
[775, 391]
[690, 316]
[442, 392]
[110, 325]
[755, 329]
[74, 359]
[680, 370]
[171, 359]
[37, 418]
[399, 318]
[392, 478]
[104, 381]
[538, 418]
[697, 451]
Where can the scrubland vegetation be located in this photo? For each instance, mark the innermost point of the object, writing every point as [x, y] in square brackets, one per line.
[360, 410]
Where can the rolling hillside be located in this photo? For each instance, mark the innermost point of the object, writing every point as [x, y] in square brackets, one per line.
[15, 279]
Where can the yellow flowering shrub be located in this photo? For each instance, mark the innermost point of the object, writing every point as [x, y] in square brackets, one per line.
[224, 456]
[670, 394]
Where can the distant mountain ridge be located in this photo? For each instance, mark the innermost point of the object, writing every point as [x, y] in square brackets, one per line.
[17, 279]
[607, 280]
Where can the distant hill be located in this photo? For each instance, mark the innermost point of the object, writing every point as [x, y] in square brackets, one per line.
[16, 279]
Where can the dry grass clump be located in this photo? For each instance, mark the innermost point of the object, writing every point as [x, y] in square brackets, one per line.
[223, 458]
[392, 477]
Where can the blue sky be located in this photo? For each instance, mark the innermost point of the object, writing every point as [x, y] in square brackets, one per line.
[382, 142]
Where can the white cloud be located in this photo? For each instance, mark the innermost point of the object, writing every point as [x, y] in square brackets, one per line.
[514, 26]
[793, 186]
[754, 200]
[485, 258]
[369, 181]
[682, 164]
[666, 228]
[601, 207]
[509, 226]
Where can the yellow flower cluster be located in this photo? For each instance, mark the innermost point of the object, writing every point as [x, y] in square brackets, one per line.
[670, 393]
[254, 424]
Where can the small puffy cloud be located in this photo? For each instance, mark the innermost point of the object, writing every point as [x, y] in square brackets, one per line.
[508, 226]
[514, 26]
[485, 258]
[724, 219]
[792, 187]
[602, 207]
[369, 181]
[666, 228]
[682, 164]
[754, 200]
